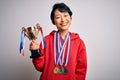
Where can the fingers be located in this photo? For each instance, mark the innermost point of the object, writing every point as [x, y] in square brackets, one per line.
[34, 45]
[34, 42]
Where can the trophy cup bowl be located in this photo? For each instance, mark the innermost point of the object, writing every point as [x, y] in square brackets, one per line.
[32, 34]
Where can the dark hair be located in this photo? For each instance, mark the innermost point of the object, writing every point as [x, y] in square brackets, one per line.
[62, 8]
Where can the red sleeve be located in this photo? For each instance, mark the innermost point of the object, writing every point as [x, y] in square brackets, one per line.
[81, 67]
[39, 61]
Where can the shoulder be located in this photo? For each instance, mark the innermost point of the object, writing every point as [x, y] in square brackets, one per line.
[76, 37]
[50, 35]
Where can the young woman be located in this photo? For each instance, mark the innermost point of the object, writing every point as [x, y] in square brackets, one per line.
[64, 57]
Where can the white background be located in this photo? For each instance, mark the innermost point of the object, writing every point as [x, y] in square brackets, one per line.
[96, 21]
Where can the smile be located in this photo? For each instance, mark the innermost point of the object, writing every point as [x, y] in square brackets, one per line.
[64, 24]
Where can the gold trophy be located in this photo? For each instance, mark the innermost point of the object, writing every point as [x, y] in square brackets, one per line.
[32, 34]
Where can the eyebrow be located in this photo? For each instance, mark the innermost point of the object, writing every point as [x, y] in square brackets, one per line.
[59, 14]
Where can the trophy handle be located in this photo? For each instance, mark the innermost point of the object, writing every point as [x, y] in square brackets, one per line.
[35, 53]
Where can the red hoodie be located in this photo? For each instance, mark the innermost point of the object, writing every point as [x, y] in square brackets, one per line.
[77, 64]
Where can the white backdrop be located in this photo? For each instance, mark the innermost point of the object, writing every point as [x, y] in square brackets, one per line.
[96, 21]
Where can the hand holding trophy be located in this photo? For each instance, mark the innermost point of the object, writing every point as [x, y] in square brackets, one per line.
[32, 34]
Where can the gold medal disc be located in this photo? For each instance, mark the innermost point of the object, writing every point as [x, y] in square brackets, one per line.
[56, 70]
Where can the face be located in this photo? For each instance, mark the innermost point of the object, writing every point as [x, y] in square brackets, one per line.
[62, 20]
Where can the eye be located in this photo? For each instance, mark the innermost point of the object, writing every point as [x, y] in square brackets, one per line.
[57, 17]
[66, 15]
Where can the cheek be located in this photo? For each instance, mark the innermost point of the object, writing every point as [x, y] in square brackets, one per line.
[57, 21]
[70, 20]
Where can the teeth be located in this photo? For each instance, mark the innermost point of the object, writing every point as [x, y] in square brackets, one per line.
[64, 24]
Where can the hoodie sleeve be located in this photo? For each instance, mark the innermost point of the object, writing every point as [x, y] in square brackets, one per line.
[38, 62]
[81, 67]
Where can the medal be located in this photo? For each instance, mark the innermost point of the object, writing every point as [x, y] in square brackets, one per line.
[63, 70]
[56, 70]
[59, 52]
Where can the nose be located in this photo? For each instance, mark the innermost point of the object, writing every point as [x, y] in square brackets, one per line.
[62, 19]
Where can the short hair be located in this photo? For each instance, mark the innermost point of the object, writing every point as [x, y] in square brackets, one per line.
[62, 8]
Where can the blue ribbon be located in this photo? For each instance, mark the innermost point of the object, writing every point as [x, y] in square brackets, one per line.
[21, 40]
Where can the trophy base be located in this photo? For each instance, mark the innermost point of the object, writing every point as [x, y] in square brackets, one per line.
[35, 54]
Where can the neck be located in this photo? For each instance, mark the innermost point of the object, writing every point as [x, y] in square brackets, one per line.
[63, 33]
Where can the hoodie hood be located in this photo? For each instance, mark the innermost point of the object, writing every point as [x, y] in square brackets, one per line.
[72, 34]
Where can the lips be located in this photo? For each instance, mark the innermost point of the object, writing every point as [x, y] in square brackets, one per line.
[64, 24]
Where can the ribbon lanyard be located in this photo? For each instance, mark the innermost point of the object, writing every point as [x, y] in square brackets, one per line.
[60, 48]
[22, 41]
[43, 40]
